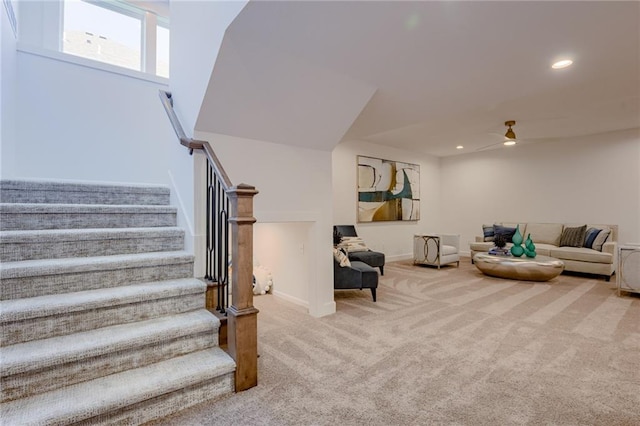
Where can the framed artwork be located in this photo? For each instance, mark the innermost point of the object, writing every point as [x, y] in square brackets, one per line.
[387, 190]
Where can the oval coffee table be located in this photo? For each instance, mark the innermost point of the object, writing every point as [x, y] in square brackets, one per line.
[539, 268]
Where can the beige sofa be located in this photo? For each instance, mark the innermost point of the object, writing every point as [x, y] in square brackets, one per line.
[547, 237]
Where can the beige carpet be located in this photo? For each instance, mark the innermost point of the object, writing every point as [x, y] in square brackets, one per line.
[448, 346]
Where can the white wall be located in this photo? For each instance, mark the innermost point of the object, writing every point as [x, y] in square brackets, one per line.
[8, 68]
[281, 248]
[394, 239]
[81, 123]
[197, 30]
[594, 179]
[295, 194]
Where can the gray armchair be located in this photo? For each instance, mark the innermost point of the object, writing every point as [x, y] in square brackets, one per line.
[370, 257]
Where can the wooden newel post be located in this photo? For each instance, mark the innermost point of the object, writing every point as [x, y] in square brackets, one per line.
[242, 317]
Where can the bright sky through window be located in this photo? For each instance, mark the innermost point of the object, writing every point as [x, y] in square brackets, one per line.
[82, 16]
[112, 32]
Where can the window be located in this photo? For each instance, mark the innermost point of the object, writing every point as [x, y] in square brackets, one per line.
[117, 33]
[162, 51]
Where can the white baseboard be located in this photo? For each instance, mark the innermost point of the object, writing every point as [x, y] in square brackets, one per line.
[292, 299]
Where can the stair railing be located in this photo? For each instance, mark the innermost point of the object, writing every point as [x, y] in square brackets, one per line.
[229, 217]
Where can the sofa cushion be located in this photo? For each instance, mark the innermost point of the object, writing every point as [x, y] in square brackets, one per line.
[573, 237]
[482, 246]
[595, 238]
[544, 249]
[506, 231]
[546, 233]
[581, 254]
[487, 232]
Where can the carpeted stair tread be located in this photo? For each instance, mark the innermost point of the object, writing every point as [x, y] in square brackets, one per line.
[32, 278]
[117, 391]
[61, 243]
[37, 191]
[55, 304]
[46, 353]
[29, 216]
[39, 267]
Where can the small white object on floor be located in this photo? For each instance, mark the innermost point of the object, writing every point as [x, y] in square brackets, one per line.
[262, 280]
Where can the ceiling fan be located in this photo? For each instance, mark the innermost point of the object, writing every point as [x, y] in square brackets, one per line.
[508, 139]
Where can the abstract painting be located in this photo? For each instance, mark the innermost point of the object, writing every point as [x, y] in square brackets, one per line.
[387, 190]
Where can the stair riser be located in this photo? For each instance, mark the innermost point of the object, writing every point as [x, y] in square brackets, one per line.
[32, 286]
[32, 221]
[164, 405]
[74, 322]
[12, 252]
[58, 376]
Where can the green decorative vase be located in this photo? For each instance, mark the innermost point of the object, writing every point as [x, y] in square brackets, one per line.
[529, 243]
[517, 250]
[517, 237]
[529, 247]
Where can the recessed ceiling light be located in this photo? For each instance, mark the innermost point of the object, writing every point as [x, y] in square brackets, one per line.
[561, 64]
[459, 147]
[509, 143]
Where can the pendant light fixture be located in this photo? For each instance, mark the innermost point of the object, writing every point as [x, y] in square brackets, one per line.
[510, 135]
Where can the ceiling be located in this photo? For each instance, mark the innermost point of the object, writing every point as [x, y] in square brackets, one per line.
[425, 76]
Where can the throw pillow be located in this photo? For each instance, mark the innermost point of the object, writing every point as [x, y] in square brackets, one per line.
[341, 257]
[487, 232]
[590, 236]
[601, 238]
[353, 244]
[506, 231]
[573, 237]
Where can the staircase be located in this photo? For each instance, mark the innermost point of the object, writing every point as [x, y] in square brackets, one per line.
[101, 319]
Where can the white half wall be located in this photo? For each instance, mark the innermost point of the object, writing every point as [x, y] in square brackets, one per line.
[294, 187]
[593, 179]
[394, 239]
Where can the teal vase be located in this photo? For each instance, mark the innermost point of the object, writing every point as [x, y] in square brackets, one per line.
[529, 243]
[529, 247]
[517, 237]
[517, 250]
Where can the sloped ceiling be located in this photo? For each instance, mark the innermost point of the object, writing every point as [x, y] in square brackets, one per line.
[425, 76]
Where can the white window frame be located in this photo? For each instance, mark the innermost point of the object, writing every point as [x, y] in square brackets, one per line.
[41, 31]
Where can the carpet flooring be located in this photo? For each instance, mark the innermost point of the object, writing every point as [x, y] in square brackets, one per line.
[448, 346]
